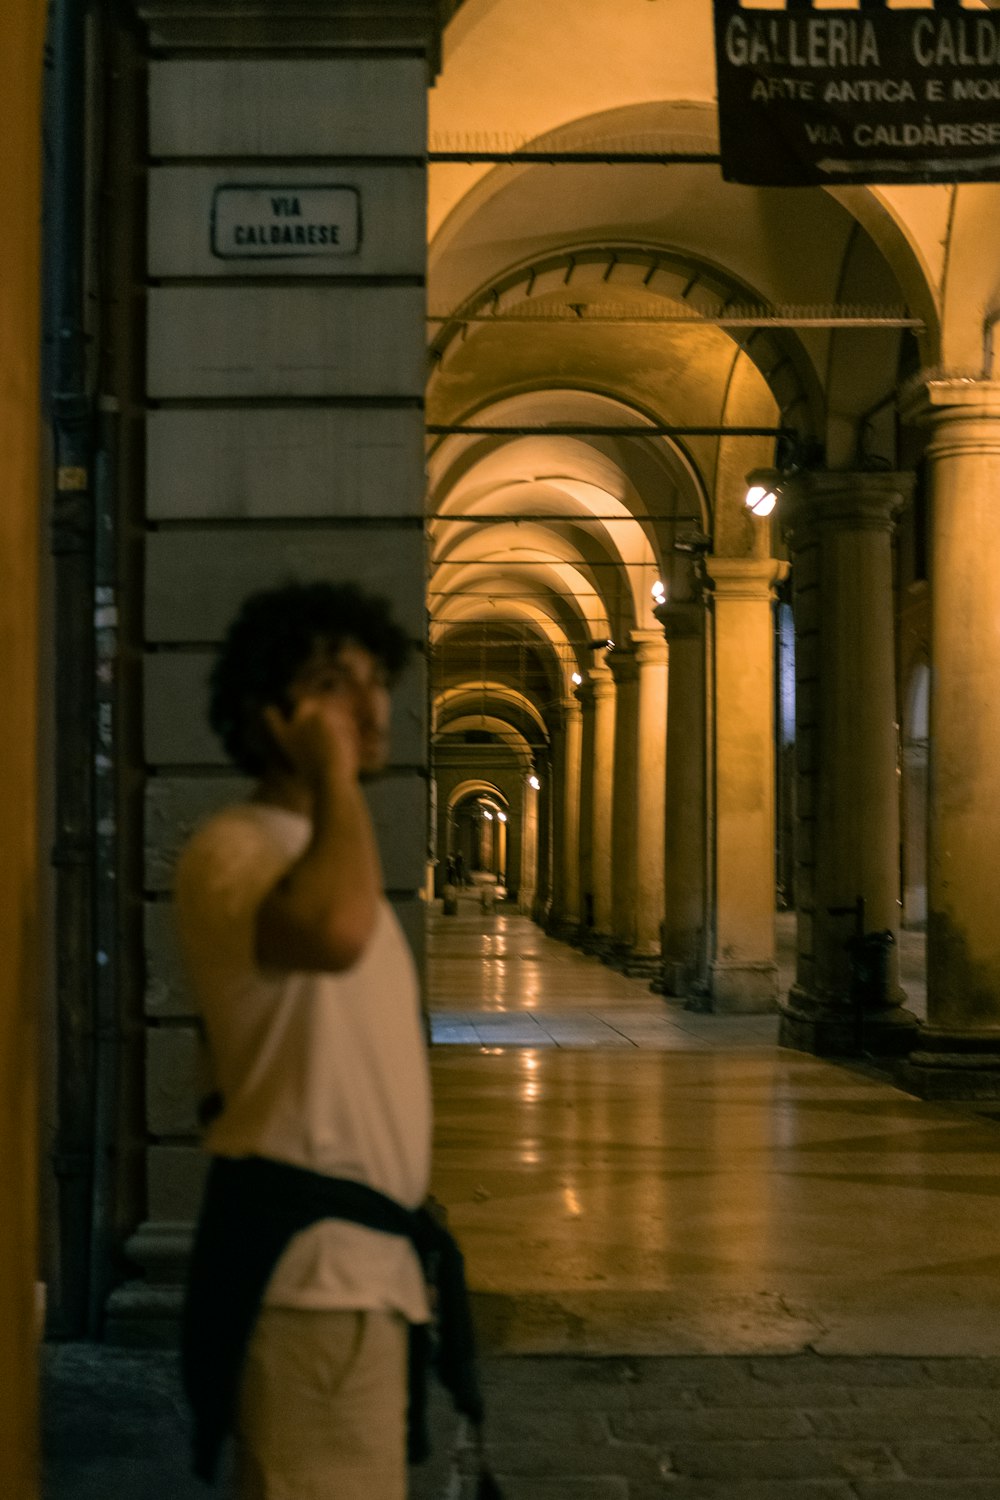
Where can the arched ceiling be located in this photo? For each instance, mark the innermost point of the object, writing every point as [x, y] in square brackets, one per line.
[570, 302]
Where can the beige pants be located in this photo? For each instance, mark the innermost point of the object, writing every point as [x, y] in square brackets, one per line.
[322, 1412]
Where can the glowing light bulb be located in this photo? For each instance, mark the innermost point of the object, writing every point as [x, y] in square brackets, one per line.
[533, 781]
[577, 679]
[761, 500]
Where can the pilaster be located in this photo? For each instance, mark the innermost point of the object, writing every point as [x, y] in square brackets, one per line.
[280, 405]
[839, 527]
[743, 972]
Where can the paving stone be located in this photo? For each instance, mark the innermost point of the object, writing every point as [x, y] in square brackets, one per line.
[510, 1423]
[606, 1487]
[748, 1489]
[888, 1424]
[950, 1460]
[719, 1425]
[852, 1369]
[763, 1394]
[932, 1489]
[918, 1400]
[964, 1372]
[549, 1460]
[793, 1459]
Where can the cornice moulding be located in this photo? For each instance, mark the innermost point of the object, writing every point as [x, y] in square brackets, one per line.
[297, 25]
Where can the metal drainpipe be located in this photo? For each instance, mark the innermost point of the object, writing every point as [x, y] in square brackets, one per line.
[108, 1033]
[72, 550]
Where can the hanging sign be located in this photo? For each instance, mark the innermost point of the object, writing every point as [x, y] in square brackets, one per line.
[871, 95]
[265, 222]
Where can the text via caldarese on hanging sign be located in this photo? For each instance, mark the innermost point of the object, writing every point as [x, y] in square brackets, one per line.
[285, 221]
[905, 95]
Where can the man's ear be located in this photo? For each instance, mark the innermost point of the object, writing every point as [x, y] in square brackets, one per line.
[257, 736]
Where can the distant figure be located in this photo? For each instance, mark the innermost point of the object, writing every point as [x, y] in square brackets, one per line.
[460, 875]
[450, 872]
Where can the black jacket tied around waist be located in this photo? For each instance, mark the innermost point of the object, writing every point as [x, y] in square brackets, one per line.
[251, 1210]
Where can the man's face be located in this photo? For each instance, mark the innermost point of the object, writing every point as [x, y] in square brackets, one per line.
[358, 679]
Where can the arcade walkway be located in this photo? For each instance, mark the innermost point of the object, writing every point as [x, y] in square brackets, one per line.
[724, 1271]
[630, 1177]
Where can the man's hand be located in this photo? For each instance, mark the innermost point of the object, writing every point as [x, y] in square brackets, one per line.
[319, 738]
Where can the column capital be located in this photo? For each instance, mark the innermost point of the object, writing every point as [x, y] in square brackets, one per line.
[650, 647]
[682, 621]
[745, 577]
[623, 666]
[598, 684]
[927, 399]
[256, 25]
[848, 500]
[964, 415]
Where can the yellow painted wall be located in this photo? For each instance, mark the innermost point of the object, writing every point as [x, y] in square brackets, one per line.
[21, 34]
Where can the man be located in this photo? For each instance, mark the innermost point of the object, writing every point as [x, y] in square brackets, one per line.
[309, 1002]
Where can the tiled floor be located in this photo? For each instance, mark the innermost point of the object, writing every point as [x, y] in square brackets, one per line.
[499, 981]
[630, 1177]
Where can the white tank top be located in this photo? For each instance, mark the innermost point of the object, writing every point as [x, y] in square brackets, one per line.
[326, 1071]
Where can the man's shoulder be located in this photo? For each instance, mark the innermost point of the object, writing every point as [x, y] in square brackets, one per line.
[241, 836]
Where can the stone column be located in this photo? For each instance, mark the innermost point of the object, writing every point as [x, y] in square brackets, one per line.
[529, 849]
[543, 866]
[651, 659]
[743, 971]
[959, 1049]
[568, 792]
[602, 688]
[839, 527]
[22, 29]
[556, 804]
[684, 968]
[585, 698]
[625, 672]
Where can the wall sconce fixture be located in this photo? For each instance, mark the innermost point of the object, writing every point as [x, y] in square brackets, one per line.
[763, 489]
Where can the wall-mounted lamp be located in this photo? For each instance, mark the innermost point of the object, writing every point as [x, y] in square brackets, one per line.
[501, 817]
[487, 815]
[534, 782]
[576, 679]
[763, 488]
[601, 643]
[659, 592]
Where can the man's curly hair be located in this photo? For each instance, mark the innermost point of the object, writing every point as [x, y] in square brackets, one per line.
[271, 639]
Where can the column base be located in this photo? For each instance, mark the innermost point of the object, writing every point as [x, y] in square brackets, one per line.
[145, 1314]
[832, 1028]
[596, 943]
[948, 1065]
[563, 929]
[638, 965]
[744, 989]
[615, 954]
